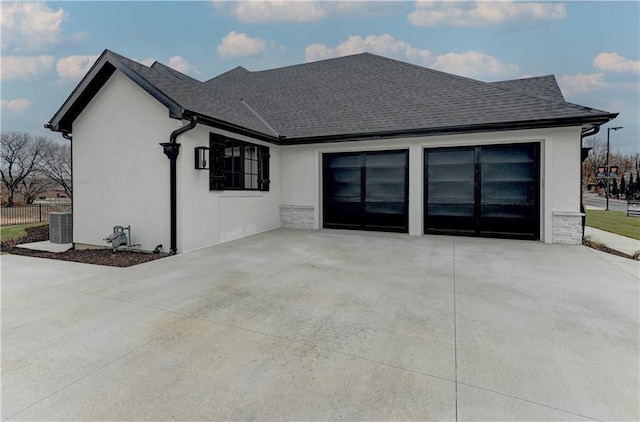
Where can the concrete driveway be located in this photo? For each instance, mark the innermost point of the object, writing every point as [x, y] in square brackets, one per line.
[326, 325]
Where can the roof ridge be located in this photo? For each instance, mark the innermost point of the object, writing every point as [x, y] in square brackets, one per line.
[490, 84]
[311, 63]
[502, 85]
[523, 78]
[540, 97]
[259, 117]
[228, 72]
[169, 70]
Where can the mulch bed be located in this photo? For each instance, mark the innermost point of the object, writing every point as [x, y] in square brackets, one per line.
[87, 256]
[600, 247]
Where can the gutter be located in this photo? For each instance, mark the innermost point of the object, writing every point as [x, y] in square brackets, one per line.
[446, 130]
[172, 149]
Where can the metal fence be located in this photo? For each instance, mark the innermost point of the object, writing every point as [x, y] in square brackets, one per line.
[35, 213]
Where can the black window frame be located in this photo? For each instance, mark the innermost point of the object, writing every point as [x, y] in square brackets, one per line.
[228, 171]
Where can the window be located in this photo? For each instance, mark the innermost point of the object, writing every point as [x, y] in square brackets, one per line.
[238, 165]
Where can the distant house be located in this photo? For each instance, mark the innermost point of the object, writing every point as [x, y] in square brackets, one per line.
[358, 142]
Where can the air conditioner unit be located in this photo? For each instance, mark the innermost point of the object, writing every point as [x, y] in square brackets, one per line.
[60, 227]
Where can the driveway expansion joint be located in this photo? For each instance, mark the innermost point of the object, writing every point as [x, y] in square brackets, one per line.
[303, 343]
[528, 401]
[455, 326]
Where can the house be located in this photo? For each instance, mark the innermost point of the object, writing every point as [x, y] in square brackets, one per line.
[359, 142]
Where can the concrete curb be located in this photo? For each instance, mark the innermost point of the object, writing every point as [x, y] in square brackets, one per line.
[616, 242]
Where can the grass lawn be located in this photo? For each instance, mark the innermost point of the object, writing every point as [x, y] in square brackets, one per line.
[614, 222]
[17, 231]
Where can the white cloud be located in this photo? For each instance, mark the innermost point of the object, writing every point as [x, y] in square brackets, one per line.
[483, 13]
[25, 67]
[612, 62]
[240, 45]
[383, 44]
[181, 65]
[274, 11]
[268, 11]
[471, 64]
[33, 26]
[474, 64]
[74, 67]
[581, 83]
[17, 105]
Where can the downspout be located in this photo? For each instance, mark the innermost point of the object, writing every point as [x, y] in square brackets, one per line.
[67, 135]
[171, 149]
[588, 132]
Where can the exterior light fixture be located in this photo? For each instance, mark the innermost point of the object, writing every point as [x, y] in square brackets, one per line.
[202, 158]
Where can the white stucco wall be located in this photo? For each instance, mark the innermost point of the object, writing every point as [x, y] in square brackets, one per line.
[564, 151]
[120, 175]
[210, 217]
[560, 170]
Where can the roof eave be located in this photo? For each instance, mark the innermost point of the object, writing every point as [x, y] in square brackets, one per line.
[454, 130]
[91, 83]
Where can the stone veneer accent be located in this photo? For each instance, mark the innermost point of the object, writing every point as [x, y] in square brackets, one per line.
[567, 227]
[296, 216]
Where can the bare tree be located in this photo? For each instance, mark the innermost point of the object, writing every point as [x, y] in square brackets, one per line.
[56, 166]
[596, 158]
[20, 156]
[32, 186]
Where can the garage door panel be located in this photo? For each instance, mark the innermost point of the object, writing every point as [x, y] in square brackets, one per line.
[346, 190]
[385, 174]
[508, 171]
[516, 153]
[385, 207]
[343, 213]
[455, 192]
[508, 192]
[384, 190]
[506, 225]
[385, 158]
[345, 176]
[346, 160]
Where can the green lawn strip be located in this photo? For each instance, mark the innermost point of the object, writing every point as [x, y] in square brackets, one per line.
[614, 222]
[17, 231]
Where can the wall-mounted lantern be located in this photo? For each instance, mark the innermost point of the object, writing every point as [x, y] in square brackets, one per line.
[202, 158]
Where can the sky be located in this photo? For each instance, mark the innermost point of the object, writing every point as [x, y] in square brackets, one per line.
[592, 47]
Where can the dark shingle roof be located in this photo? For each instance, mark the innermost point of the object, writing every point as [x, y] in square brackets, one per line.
[357, 96]
[540, 86]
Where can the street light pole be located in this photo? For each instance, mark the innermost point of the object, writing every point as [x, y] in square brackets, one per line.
[608, 170]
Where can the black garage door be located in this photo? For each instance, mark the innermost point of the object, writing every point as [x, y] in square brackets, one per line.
[366, 190]
[483, 191]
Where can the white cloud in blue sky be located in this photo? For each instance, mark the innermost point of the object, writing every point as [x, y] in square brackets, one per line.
[48, 46]
[240, 45]
[76, 66]
[458, 13]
